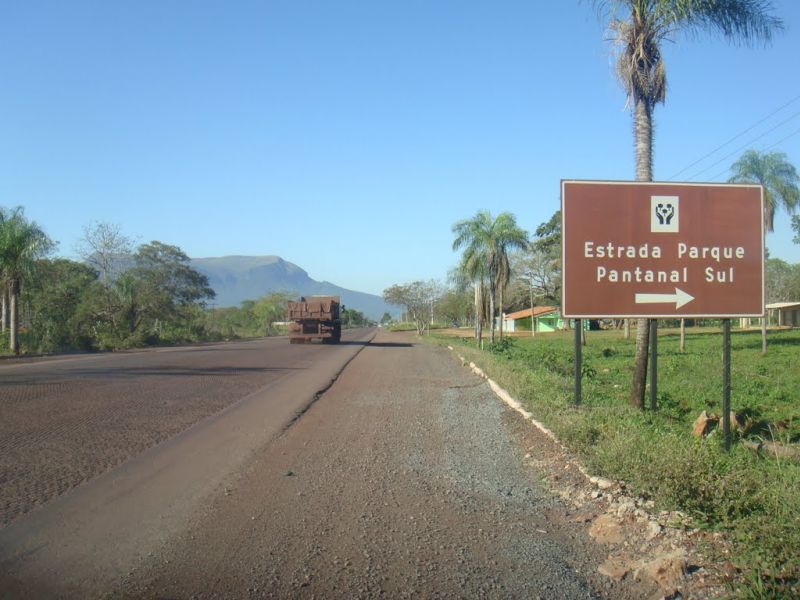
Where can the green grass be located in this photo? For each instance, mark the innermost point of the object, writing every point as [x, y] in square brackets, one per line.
[755, 499]
[411, 326]
[401, 326]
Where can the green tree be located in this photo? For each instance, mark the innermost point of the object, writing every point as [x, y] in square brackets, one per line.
[471, 271]
[234, 321]
[252, 318]
[487, 243]
[796, 227]
[354, 318]
[778, 177]
[53, 296]
[386, 319]
[782, 281]
[155, 300]
[22, 243]
[108, 315]
[270, 309]
[4, 300]
[162, 289]
[455, 306]
[538, 267]
[639, 28]
[417, 297]
[166, 270]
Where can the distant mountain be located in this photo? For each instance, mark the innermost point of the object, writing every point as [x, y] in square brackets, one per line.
[239, 278]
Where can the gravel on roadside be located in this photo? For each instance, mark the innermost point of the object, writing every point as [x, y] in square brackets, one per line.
[407, 478]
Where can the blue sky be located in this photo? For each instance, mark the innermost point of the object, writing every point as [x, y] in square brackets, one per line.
[348, 136]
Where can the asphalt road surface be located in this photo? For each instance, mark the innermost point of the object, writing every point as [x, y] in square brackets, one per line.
[211, 472]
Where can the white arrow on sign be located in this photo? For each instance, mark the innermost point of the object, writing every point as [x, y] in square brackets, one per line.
[680, 298]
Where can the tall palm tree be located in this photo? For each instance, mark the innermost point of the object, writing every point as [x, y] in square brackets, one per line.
[472, 273]
[4, 216]
[778, 177]
[503, 279]
[639, 27]
[22, 242]
[487, 242]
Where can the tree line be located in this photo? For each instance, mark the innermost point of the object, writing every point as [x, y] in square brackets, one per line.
[502, 269]
[119, 295]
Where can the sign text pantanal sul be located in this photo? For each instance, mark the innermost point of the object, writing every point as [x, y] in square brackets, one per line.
[662, 249]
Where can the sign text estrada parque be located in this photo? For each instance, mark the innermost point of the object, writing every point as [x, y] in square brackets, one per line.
[661, 250]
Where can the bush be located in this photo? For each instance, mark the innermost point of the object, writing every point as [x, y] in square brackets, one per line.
[402, 326]
[502, 347]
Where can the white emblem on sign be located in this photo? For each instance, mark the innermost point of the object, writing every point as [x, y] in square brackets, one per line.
[664, 214]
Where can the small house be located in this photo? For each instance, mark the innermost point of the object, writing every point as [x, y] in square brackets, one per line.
[544, 318]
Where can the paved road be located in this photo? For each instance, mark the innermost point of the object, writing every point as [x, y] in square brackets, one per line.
[114, 451]
[407, 478]
[66, 420]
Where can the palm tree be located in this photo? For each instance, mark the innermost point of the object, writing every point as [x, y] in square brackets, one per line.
[779, 179]
[4, 216]
[472, 273]
[503, 279]
[639, 27]
[486, 244]
[22, 242]
[776, 175]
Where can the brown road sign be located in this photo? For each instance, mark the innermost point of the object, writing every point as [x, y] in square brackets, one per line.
[633, 249]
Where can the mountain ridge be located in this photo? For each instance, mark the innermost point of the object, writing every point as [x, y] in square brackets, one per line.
[236, 278]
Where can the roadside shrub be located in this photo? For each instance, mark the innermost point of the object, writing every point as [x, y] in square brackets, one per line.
[559, 361]
[670, 407]
[502, 347]
[402, 326]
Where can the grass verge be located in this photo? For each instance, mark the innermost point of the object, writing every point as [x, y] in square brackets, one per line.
[756, 500]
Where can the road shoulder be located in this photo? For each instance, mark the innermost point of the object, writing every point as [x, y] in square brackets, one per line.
[407, 478]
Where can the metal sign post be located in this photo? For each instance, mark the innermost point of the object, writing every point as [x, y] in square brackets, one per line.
[653, 364]
[578, 360]
[726, 383]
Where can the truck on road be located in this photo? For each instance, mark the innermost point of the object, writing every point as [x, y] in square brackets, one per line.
[315, 317]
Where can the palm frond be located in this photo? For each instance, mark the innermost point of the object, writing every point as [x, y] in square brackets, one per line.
[639, 27]
[778, 177]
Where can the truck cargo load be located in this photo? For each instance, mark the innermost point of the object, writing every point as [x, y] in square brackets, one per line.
[315, 317]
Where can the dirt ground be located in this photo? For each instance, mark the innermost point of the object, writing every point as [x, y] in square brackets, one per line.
[408, 478]
[80, 543]
[65, 421]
